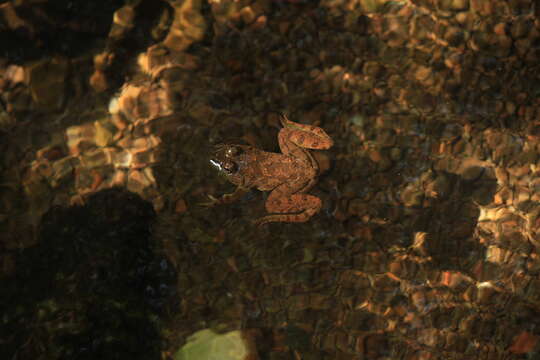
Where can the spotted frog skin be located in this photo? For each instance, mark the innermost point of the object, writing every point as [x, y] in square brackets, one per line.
[287, 175]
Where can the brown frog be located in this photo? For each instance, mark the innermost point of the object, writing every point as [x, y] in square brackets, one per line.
[288, 176]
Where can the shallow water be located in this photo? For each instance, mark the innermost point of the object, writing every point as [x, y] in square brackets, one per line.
[426, 246]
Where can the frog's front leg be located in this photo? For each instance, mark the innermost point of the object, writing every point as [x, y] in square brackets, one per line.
[226, 198]
[302, 135]
[283, 207]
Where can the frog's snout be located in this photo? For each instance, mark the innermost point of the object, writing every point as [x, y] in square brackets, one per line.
[225, 165]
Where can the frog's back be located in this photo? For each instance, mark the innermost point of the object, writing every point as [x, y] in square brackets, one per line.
[277, 169]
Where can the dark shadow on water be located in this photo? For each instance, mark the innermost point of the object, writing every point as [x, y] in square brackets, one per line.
[451, 218]
[93, 287]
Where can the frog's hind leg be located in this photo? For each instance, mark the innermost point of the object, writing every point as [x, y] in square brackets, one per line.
[298, 207]
[304, 135]
[290, 148]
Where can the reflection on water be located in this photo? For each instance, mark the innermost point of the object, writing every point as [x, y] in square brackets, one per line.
[425, 245]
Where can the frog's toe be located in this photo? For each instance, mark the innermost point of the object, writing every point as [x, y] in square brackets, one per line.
[285, 120]
[210, 202]
[261, 221]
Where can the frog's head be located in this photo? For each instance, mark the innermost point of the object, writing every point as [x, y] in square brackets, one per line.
[229, 161]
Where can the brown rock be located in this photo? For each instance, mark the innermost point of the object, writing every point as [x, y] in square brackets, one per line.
[47, 82]
[520, 28]
[98, 81]
[181, 206]
[248, 15]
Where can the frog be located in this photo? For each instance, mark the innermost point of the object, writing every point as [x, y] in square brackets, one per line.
[287, 175]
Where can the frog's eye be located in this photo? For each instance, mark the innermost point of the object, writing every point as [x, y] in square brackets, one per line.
[229, 167]
[233, 151]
